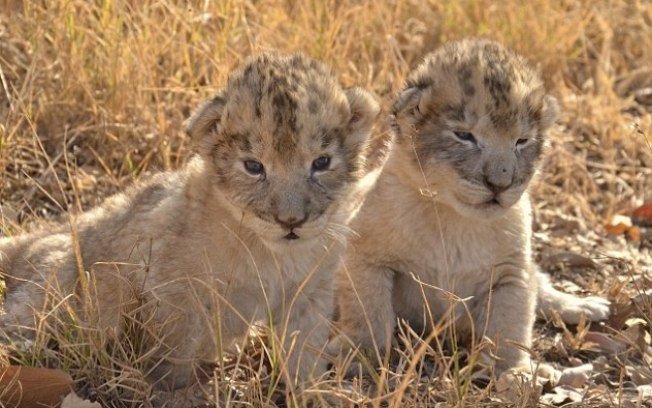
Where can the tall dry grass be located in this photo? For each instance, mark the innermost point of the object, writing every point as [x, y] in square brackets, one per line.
[94, 93]
[103, 87]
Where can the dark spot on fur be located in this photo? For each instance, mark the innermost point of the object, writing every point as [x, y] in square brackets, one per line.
[335, 135]
[285, 107]
[240, 140]
[465, 78]
[499, 87]
[296, 61]
[248, 72]
[454, 112]
[313, 106]
[504, 118]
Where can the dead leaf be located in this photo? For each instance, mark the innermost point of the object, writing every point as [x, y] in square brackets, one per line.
[634, 233]
[644, 392]
[623, 225]
[575, 376]
[571, 259]
[604, 342]
[26, 387]
[514, 385]
[643, 215]
[563, 394]
[73, 401]
[574, 361]
[639, 375]
[618, 225]
[560, 347]
[636, 333]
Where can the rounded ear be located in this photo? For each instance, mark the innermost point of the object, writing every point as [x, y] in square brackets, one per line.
[407, 100]
[550, 112]
[405, 109]
[364, 111]
[205, 118]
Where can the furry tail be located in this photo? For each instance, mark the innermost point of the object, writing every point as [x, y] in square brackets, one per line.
[570, 307]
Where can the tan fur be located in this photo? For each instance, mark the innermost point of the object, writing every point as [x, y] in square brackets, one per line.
[449, 219]
[208, 246]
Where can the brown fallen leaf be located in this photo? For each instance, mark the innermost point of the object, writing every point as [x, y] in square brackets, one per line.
[643, 215]
[634, 233]
[26, 387]
[617, 229]
[604, 342]
[570, 259]
[623, 225]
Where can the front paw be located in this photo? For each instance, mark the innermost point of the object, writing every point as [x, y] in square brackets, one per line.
[524, 383]
[339, 345]
[347, 359]
[594, 308]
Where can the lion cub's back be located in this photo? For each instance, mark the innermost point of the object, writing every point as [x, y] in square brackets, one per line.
[103, 234]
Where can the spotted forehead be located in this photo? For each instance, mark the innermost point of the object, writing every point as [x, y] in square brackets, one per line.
[287, 96]
[483, 79]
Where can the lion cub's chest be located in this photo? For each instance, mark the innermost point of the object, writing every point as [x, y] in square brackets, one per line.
[440, 268]
[264, 284]
[455, 258]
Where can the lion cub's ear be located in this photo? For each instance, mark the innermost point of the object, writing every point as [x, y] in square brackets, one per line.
[406, 110]
[407, 100]
[550, 112]
[364, 111]
[205, 119]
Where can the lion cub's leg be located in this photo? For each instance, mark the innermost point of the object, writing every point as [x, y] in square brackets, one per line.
[366, 313]
[510, 318]
[569, 307]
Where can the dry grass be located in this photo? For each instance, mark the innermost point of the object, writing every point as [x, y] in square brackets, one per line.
[93, 95]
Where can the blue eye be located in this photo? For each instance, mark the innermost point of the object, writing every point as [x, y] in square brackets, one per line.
[254, 167]
[321, 163]
[465, 137]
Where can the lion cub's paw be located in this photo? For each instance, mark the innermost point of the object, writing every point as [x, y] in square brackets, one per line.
[594, 308]
[348, 360]
[526, 381]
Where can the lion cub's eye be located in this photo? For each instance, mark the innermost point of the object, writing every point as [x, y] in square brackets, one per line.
[321, 163]
[521, 142]
[466, 137]
[254, 167]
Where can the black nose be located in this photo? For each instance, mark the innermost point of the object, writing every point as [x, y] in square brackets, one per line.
[290, 222]
[494, 187]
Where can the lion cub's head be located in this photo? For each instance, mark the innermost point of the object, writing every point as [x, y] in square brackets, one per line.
[287, 146]
[472, 122]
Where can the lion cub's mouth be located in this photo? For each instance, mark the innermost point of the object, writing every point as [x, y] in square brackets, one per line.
[493, 201]
[291, 236]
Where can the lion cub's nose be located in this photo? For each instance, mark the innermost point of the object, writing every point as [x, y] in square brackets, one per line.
[290, 222]
[497, 185]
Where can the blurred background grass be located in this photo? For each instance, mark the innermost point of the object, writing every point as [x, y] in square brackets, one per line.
[95, 92]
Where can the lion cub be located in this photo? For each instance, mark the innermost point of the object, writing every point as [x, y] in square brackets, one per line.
[445, 233]
[250, 230]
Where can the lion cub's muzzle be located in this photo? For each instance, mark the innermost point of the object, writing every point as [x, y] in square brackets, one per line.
[290, 223]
